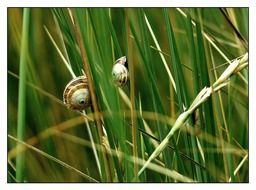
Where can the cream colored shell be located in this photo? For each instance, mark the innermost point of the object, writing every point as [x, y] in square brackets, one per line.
[76, 95]
[120, 72]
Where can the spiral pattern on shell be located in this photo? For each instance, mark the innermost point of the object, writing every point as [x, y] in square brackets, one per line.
[76, 95]
[120, 72]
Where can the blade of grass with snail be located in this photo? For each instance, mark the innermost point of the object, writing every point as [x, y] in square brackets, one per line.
[105, 62]
[77, 16]
[119, 135]
[65, 59]
[65, 22]
[114, 30]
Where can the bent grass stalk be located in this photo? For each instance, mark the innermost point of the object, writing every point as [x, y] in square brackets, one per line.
[203, 95]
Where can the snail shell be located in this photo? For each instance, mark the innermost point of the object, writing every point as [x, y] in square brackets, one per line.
[120, 72]
[76, 95]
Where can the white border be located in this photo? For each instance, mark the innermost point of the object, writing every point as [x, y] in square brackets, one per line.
[252, 94]
[128, 3]
[3, 99]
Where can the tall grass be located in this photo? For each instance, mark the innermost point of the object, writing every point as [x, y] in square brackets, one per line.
[22, 93]
[165, 125]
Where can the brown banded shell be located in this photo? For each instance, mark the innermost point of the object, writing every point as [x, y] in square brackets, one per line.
[120, 72]
[76, 95]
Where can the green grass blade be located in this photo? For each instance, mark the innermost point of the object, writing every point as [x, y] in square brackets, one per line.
[20, 160]
[181, 94]
[195, 86]
[203, 72]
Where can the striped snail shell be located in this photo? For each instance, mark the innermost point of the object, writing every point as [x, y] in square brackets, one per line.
[120, 72]
[76, 95]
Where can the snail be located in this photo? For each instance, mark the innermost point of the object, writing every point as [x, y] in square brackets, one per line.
[76, 95]
[120, 72]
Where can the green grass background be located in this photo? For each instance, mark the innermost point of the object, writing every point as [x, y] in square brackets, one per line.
[56, 143]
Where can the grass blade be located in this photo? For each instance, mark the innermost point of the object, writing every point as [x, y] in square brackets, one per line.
[20, 160]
